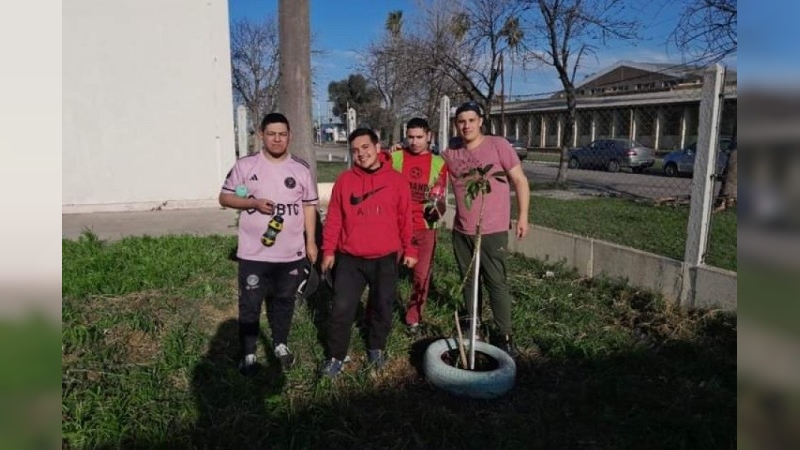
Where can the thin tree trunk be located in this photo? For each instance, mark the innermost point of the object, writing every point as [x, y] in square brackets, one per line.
[569, 127]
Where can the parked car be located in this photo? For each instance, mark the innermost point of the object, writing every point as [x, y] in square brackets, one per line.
[519, 147]
[681, 162]
[612, 155]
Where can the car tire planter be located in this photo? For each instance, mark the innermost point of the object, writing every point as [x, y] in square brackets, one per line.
[469, 383]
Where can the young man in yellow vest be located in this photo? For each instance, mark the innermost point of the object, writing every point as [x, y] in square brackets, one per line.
[427, 177]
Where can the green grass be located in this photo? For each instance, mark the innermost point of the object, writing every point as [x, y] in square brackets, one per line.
[149, 351]
[28, 386]
[656, 229]
[551, 157]
[328, 171]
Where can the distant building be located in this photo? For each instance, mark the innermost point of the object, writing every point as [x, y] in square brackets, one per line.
[654, 104]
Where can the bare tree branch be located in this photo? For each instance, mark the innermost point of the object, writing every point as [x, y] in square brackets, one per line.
[707, 29]
[254, 61]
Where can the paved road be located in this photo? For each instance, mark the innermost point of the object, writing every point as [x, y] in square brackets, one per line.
[639, 185]
[116, 225]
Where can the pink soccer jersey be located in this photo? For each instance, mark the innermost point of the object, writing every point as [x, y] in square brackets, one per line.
[497, 214]
[290, 186]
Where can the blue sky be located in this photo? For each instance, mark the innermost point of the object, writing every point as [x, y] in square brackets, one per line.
[343, 28]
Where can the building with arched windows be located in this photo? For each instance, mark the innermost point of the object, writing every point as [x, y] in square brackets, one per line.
[654, 104]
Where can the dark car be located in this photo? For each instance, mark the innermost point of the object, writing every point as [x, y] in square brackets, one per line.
[681, 162]
[612, 155]
[519, 147]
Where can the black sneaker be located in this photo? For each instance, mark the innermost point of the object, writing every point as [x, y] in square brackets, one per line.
[285, 356]
[248, 366]
[377, 358]
[332, 368]
[507, 345]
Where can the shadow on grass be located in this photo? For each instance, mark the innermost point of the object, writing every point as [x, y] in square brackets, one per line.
[672, 394]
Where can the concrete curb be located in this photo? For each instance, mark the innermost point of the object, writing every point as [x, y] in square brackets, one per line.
[324, 191]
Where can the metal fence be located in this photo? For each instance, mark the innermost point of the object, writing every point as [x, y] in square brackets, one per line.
[648, 145]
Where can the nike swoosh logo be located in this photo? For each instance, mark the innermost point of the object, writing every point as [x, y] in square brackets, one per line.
[356, 200]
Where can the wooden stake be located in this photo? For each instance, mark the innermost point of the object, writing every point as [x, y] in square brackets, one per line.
[460, 342]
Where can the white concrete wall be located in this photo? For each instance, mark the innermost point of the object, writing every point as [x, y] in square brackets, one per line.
[147, 114]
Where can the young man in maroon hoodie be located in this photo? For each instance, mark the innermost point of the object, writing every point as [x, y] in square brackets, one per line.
[367, 232]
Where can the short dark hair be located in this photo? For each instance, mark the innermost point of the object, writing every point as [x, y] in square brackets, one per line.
[274, 118]
[358, 132]
[471, 105]
[418, 122]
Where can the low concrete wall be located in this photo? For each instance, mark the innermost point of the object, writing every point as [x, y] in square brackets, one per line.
[712, 287]
[646, 270]
[324, 191]
[715, 288]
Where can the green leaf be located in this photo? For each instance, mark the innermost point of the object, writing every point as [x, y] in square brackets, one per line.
[487, 168]
[468, 202]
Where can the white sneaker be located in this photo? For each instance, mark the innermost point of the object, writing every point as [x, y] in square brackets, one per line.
[284, 355]
[248, 366]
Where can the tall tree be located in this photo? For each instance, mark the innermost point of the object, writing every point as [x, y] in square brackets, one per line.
[707, 29]
[254, 71]
[295, 70]
[394, 23]
[385, 66]
[481, 32]
[566, 31]
[355, 91]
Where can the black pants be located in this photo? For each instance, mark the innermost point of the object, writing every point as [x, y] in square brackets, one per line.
[256, 280]
[353, 274]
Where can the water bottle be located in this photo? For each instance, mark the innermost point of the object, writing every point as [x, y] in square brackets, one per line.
[436, 195]
[273, 228]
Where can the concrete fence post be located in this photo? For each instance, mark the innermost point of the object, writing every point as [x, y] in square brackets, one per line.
[241, 131]
[702, 183]
[444, 122]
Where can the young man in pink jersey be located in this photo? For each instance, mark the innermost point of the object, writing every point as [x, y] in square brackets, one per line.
[277, 196]
[367, 232]
[477, 150]
[427, 178]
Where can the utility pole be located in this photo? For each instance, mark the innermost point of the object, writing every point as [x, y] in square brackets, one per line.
[294, 96]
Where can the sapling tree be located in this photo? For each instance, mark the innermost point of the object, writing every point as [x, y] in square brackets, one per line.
[478, 185]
